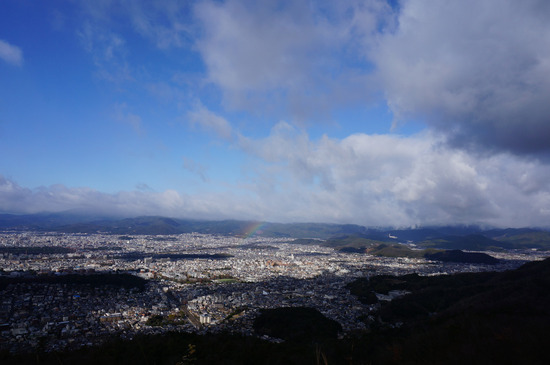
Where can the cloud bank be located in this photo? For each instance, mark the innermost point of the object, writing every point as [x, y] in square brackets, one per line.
[478, 72]
[373, 180]
[284, 59]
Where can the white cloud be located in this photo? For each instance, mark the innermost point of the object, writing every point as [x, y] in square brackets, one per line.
[164, 22]
[196, 168]
[10, 53]
[143, 187]
[58, 198]
[122, 115]
[393, 180]
[285, 58]
[373, 180]
[210, 121]
[108, 50]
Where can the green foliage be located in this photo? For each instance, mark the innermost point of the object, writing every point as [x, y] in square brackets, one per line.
[395, 250]
[236, 313]
[226, 280]
[363, 290]
[473, 242]
[190, 356]
[530, 239]
[461, 256]
[155, 321]
[159, 320]
[307, 241]
[357, 244]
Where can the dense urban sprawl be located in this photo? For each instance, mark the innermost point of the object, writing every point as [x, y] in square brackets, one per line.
[195, 283]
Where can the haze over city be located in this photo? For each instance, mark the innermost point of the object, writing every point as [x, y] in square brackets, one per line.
[377, 113]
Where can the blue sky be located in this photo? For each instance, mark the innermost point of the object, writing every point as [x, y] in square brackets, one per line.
[370, 112]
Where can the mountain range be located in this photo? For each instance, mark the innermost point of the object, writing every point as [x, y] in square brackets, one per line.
[337, 235]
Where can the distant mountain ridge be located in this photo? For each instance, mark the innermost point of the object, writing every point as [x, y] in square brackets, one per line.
[337, 235]
[156, 225]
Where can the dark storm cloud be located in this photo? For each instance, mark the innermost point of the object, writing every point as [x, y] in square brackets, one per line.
[476, 71]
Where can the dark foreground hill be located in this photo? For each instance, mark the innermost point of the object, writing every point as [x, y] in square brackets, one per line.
[299, 324]
[482, 318]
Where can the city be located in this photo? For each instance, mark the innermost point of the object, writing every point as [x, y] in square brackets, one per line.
[197, 283]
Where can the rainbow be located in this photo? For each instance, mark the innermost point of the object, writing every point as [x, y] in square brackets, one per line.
[254, 228]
